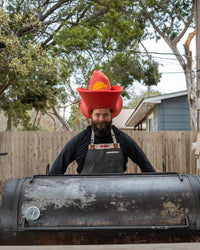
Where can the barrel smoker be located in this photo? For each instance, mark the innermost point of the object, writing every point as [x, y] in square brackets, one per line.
[101, 209]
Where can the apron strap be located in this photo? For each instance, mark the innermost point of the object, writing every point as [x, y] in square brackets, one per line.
[92, 138]
[113, 136]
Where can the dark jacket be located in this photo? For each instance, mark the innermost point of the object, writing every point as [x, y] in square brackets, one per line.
[77, 147]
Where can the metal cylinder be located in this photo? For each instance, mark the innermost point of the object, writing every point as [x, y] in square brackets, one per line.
[99, 209]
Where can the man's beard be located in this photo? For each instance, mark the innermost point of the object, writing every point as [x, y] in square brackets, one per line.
[102, 128]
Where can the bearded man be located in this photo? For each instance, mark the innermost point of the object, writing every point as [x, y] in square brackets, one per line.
[101, 147]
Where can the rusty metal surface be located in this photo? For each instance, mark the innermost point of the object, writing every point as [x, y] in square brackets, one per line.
[97, 237]
[107, 202]
[101, 209]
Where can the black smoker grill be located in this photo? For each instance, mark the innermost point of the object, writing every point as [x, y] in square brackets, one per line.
[101, 209]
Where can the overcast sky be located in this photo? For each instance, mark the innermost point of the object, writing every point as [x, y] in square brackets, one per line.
[173, 78]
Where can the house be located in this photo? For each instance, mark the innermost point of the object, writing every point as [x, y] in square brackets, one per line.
[168, 112]
[120, 120]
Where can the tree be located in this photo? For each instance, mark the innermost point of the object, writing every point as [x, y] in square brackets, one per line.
[106, 38]
[28, 74]
[86, 35]
[29, 69]
[170, 21]
[151, 74]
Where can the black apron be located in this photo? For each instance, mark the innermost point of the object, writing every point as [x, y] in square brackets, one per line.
[103, 158]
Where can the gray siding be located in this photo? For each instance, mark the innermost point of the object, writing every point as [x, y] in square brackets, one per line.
[173, 115]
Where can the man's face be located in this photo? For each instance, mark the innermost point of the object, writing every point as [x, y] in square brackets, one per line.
[101, 121]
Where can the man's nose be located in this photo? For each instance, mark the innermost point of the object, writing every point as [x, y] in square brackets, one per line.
[101, 118]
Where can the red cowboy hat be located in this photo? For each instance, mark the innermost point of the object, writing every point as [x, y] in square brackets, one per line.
[100, 95]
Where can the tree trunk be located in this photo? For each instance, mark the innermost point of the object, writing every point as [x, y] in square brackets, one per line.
[148, 91]
[192, 98]
[190, 82]
[9, 124]
[37, 118]
[2, 89]
[64, 123]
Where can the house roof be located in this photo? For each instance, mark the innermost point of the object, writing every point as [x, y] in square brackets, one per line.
[120, 120]
[147, 104]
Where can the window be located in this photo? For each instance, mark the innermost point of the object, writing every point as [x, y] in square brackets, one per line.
[150, 123]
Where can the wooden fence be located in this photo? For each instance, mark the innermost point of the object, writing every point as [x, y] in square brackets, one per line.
[30, 152]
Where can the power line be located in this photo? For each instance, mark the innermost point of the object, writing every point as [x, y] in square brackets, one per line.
[159, 53]
[165, 58]
[172, 72]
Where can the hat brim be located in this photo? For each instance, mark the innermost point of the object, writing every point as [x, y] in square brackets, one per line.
[109, 99]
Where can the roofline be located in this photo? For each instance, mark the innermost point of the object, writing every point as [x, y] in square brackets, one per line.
[165, 96]
[149, 102]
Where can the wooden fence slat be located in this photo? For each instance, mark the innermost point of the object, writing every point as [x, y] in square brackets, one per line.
[160, 153]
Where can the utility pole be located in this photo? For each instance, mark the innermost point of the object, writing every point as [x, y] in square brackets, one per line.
[198, 61]
[197, 16]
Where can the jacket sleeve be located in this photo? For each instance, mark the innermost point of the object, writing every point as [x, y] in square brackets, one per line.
[135, 153]
[66, 156]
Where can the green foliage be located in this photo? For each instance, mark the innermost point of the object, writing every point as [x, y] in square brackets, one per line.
[151, 73]
[170, 17]
[48, 48]
[107, 39]
[28, 74]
